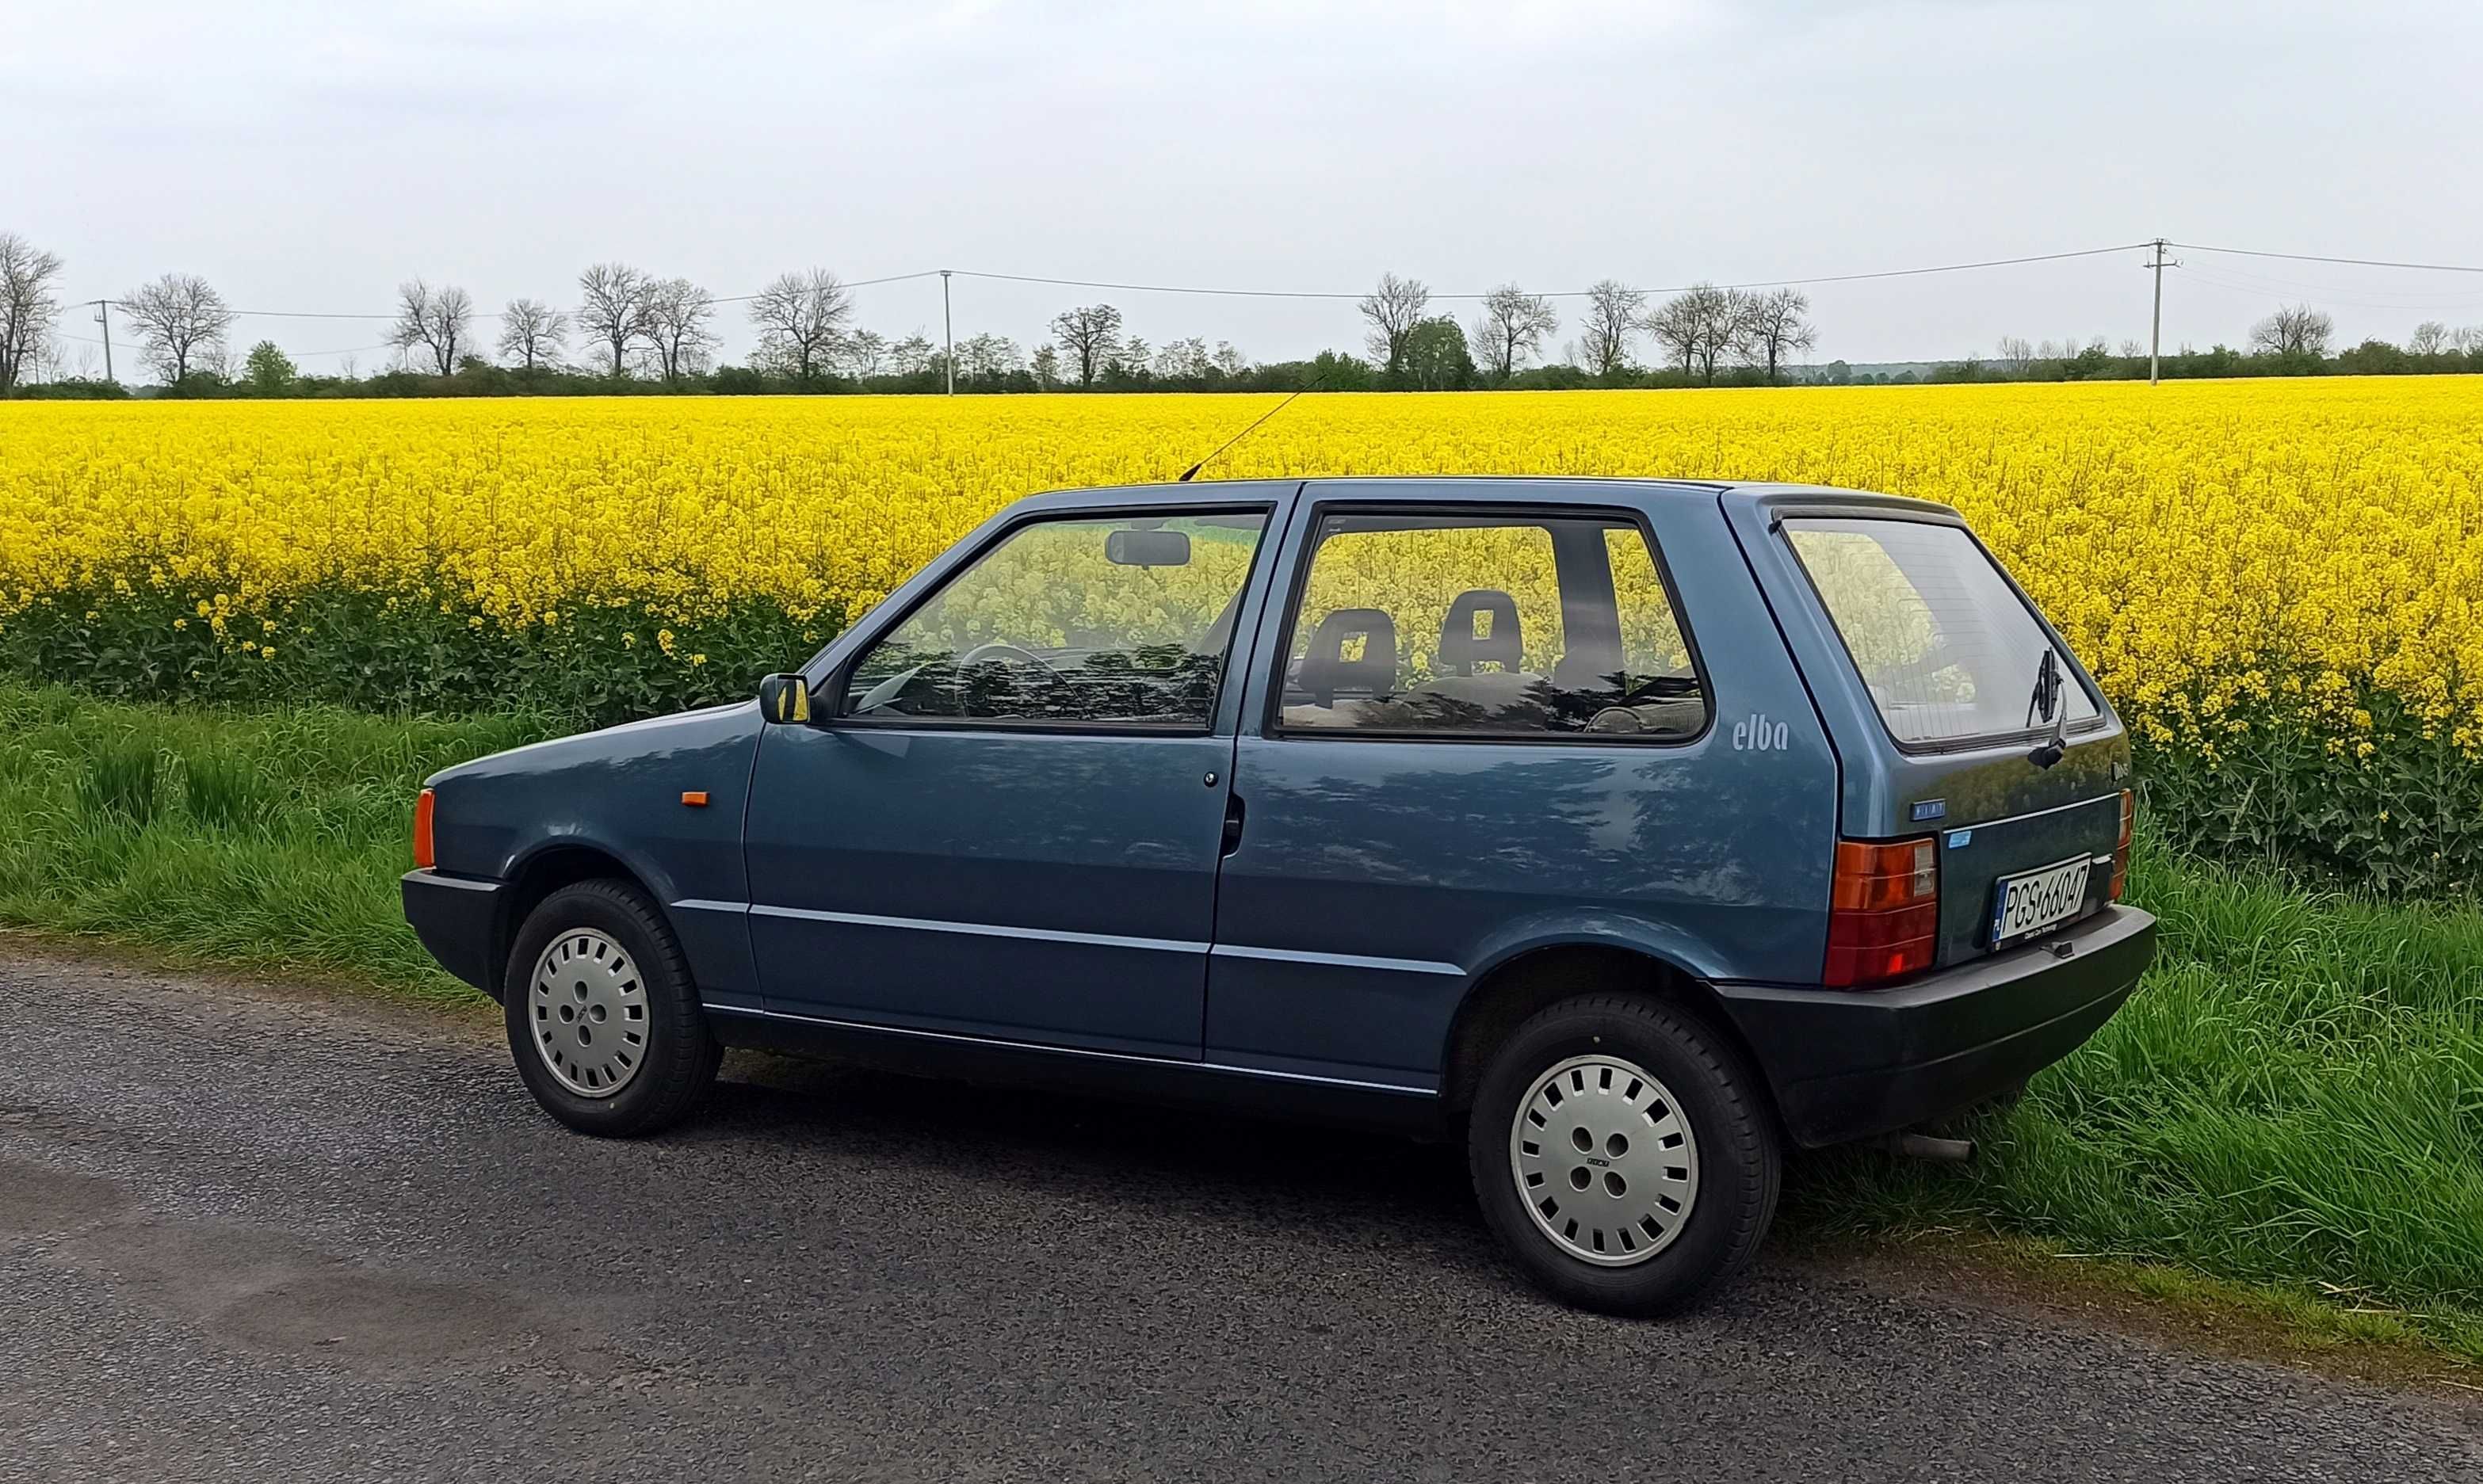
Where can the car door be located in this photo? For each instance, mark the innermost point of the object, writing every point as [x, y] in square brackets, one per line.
[1480, 729]
[1007, 822]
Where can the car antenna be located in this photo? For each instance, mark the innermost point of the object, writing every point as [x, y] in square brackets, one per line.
[1192, 473]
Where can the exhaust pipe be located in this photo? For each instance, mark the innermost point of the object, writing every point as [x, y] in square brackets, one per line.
[1924, 1145]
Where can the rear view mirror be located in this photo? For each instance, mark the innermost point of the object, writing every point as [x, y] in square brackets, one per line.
[784, 697]
[1147, 549]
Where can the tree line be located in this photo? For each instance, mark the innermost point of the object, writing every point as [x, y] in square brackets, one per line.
[2294, 340]
[631, 331]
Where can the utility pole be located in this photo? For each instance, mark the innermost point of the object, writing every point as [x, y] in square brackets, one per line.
[103, 317]
[948, 331]
[2155, 336]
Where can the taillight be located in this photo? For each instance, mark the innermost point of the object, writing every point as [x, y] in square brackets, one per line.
[2120, 852]
[1882, 911]
[422, 831]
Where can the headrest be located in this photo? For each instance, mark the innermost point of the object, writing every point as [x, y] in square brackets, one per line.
[1462, 648]
[1326, 671]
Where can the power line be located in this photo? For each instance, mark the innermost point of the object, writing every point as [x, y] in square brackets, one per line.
[2312, 257]
[1578, 293]
[2323, 294]
[1211, 291]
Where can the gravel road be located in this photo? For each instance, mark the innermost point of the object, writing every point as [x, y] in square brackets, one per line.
[259, 1234]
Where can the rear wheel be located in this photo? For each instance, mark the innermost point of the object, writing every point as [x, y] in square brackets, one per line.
[1621, 1151]
[603, 1021]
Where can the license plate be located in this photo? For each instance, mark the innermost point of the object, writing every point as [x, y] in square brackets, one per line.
[2026, 904]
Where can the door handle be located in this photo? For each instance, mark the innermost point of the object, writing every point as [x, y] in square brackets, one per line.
[1232, 823]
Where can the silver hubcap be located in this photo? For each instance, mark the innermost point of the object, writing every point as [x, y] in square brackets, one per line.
[589, 1014]
[1604, 1161]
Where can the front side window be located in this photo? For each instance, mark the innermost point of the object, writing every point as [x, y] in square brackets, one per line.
[1489, 626]
[1118, 622]
[1946, 648]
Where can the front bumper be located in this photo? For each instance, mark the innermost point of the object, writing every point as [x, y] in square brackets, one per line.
[458, 919]
[1849, 1064]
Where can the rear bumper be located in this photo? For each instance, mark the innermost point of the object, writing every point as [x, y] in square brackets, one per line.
[458, 919]
[1847, 1064]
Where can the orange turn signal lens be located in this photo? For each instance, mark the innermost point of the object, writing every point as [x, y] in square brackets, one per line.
[423, 855]
[2120, 850]
[1874, 878]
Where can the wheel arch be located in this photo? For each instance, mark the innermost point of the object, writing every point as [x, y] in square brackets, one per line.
[1526, 979]
[544, 870]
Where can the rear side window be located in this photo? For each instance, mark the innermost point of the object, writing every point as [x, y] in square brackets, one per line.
[1487, 626]
[1947, 648]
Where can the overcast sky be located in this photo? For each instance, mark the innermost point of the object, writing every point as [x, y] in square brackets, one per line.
[311, 156]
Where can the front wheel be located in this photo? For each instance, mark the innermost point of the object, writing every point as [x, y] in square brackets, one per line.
[1622, 1153]
[604, 1020]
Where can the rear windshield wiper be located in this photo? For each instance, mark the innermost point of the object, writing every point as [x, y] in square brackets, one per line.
[2048, 702]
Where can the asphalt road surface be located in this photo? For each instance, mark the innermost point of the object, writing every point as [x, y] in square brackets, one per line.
[262, 1234]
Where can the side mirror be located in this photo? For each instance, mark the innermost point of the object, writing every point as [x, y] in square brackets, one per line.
[1147, 549]
[784, 697]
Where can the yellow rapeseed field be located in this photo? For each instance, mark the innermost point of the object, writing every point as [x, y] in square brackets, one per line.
[2219, 553]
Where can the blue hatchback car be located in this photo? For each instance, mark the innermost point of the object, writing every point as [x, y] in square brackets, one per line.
[1627, 830]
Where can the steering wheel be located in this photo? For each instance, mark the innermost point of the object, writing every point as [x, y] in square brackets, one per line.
[999, 650]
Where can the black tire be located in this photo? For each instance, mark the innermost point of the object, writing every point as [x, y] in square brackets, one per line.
[671, 1070]
[1738, 1168]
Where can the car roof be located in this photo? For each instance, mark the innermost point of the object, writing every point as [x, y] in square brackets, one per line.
[1507, 488]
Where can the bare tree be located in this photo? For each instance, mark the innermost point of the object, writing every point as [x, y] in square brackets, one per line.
[2468, 338]
[1700, 327]
[1512, 327]
[532, 332]
[1090, 336]
[2015, 355]
[2293, 330]
[180, 321]
[435, 320]
[1773, 327]
[1228, 359]
[29, 301]
[2430, 338]
[1394, 308]
[799, 317]
[1676, 328]
[912, 355]
[1613, 314]
[988, 357]
[678, 312]
[612, 308]
[1183, 361]
[865, 351]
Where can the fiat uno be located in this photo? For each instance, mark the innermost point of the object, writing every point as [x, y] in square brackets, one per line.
[1627, 832]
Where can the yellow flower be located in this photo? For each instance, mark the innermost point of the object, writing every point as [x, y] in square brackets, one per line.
[2223, 555]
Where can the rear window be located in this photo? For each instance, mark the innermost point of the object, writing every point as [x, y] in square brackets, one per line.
[1946, 647]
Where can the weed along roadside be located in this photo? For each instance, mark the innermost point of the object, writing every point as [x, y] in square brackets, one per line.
[2288, 1102]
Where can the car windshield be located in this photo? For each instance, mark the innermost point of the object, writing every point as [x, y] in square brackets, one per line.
[1949, 651]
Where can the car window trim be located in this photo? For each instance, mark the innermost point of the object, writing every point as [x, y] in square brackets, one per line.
[1272, 720]
[2104, 717]
[835, 681]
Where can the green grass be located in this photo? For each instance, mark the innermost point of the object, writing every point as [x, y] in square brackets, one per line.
[270, 838]
[2293, 1101]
